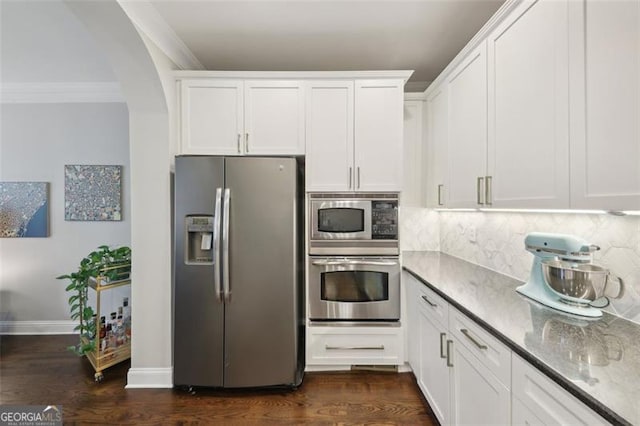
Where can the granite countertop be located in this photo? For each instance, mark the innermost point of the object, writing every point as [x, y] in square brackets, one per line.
[598, 361]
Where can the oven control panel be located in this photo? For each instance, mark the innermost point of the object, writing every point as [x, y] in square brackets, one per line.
[384, 219]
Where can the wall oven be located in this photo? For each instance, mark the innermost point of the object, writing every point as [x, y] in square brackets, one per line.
[353, 224]
[354, 288]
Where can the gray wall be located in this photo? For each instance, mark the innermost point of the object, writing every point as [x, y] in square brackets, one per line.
[36, 141]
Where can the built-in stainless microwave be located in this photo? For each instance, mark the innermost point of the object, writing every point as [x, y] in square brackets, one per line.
[353, 224]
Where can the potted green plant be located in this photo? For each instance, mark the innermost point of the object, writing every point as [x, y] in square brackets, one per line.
[111, 265]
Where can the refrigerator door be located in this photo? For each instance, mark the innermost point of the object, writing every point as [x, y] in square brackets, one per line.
[261, 337]
[198, 306]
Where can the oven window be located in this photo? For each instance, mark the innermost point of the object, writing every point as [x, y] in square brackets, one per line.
[354, 286]
[342, 219]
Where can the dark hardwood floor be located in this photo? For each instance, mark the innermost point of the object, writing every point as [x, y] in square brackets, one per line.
[39, 370]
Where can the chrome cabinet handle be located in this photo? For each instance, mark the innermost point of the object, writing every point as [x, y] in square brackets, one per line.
[246, 142]
[440, 187]
[225, 246]
[353, 262]
[350, 176]
[433, 305]
[449, 350]
[239, 144]
[470, 337]
[489, 190]
[354, 348]
[480, 190]
[216, 244]
[358, 168]
[443, 337]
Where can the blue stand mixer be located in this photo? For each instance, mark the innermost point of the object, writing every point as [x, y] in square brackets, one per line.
[563, 277]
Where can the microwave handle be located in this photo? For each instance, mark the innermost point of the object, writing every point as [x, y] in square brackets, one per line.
[354, 262]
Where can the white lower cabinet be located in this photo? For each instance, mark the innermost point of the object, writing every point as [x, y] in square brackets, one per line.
[539, 400]
[433, 373]
[477, 396]
[462, 384]
[470, 377]
[331, 346]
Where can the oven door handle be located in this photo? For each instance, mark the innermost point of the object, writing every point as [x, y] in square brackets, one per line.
[353, 262]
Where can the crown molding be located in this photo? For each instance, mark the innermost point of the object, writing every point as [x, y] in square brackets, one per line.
[147, 20]
[67, 92]
[297, 75]
[416, 86]
[477, 39]
[415, 96]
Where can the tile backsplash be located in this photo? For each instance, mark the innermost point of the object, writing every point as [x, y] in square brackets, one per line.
[495, 240]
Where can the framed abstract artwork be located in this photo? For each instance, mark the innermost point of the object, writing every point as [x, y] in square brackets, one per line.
[92, 193]
[24, 209]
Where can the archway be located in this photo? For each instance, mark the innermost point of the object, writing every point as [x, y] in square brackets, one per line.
[150, 158]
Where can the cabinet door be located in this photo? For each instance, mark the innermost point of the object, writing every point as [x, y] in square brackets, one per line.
[433, 376]
[477, 396]
[329, 125]
[274, 117]
[551, 404]
[467, 131]
[521, 415]
[211, 116]
[528, 145]
[412, 158]
[437, 127]
[410, 287]
[605, 104]
[378, 135]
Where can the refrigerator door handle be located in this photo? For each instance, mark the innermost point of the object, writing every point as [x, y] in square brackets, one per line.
[225, 246]
[216, 244]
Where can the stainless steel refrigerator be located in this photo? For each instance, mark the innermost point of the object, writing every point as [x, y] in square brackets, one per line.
[238, 277]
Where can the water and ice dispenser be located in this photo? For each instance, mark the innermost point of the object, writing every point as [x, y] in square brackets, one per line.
[199, 241]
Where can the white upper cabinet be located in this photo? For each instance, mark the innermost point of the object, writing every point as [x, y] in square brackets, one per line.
[274, 117]
[437, 128]
[605, 104]
[329, 122]
[354, 133]
[237, 117]
[528, 117]
[378, 134]
[212, 116]
[467, 130]
[413, 181]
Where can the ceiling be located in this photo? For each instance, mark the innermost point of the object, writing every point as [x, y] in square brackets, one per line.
[308, 35]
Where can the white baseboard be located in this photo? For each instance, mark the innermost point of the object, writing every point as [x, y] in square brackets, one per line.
[37, 327]
[315, 368]
[146, 378]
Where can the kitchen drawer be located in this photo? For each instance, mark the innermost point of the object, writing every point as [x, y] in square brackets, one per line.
[489, 350]
[551, 404]
[354, 345]
[433, 305]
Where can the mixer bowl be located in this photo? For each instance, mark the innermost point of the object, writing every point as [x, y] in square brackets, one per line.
[579, 283]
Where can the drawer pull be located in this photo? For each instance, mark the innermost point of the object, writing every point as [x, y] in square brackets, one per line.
[429, 302]
[481, 191]
[449, 350]
[355, 348]
[470, 337]
[443, 337]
